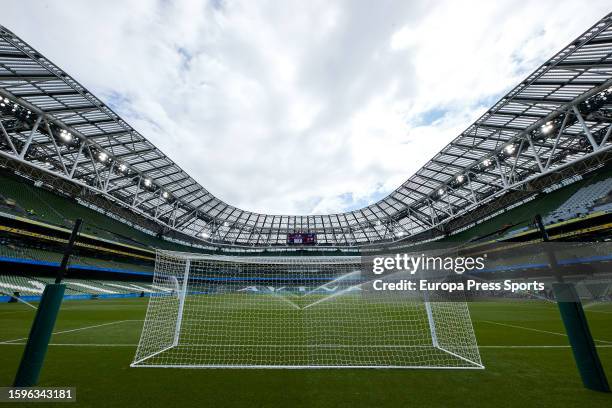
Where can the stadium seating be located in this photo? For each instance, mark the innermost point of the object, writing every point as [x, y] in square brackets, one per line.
[20, 197]
[30, 286]
[34, 286]
[9, 251]
[101, 287]
[571, 201]
[30, 201]
[519, 218]
[583, 202]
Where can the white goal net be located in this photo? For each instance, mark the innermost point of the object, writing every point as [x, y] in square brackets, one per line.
[294, 312]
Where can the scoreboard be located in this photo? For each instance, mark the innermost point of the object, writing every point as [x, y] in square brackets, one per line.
[302, 238]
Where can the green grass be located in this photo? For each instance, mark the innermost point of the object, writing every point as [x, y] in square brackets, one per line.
[241, 329]
[521, 369]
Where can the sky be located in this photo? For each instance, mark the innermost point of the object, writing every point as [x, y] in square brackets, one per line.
[299, 107]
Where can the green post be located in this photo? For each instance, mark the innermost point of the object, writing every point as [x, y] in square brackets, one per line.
[580, 338]
[38, 341]
[40, 334]
[576, 324]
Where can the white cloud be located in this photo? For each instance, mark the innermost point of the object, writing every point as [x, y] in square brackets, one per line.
[300, 107]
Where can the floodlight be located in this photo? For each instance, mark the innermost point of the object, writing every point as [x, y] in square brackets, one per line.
[203, 234]
[510, 149]
[487, 162]
[165, 195]
[65, 136]
[147, 182]
[441, 191]
[460, 178]
[102, 156]
[123, 167]
[547, 128]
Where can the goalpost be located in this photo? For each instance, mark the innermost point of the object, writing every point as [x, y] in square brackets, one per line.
[215, 311]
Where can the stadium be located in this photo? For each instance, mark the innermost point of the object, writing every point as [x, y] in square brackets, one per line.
[167, 295]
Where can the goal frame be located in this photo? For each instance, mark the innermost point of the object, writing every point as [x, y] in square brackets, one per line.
[181, 290]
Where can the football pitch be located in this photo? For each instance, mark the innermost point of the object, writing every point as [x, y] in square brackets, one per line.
[522, 344]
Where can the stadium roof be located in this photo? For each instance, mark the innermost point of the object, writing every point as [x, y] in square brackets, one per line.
[558, 116]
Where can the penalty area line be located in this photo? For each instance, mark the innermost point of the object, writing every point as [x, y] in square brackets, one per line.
[536, 330]
[597, 311]
[74, 330]
[538, 347]
[77, 344]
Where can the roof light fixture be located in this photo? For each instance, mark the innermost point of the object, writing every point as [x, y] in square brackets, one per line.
[547, 128]
[510, 149]
[65, 136]
[102, 156]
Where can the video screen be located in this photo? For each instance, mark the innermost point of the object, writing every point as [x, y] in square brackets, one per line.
[302, 238]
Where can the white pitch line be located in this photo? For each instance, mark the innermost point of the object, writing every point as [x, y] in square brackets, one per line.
[536, 330]
[75, 330]
[77, 344]
[284, 299]
[597, 311]
[539, 347]
[134, 345]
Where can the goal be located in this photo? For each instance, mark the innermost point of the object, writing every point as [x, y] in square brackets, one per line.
[215, 311]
